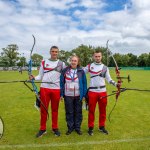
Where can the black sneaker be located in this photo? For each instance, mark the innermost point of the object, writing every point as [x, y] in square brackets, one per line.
[40, 133]
[103, 130]
[68, 132]
[56, 132]
[79, 132]
[90, 131]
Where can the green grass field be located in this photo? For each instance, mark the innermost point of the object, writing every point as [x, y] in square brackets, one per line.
[129, 128]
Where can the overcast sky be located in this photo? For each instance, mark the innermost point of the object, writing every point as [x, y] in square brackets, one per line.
[70, 23]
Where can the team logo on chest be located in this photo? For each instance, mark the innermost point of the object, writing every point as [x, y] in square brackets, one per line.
[47, 65]
[92, 68]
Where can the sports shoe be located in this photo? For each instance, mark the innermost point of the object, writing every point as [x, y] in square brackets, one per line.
[103, 130]
[56, 132]
[68, 132]
[79, 132]
[40, 133]
[90, 131]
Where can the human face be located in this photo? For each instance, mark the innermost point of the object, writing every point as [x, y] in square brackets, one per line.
[97, 57]
[54, 53]
[74, 62]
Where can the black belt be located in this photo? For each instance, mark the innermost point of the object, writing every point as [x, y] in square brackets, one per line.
[100, 87]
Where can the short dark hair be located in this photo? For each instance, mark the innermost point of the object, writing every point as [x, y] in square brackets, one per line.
[55, 47]
[97, 51]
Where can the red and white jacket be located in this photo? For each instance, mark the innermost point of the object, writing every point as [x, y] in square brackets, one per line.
[71, 83]
[50, 71]
[98, 74]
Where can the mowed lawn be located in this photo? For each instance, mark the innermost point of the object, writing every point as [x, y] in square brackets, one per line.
[129, 128]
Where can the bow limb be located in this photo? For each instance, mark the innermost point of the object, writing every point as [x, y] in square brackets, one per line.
[30, 61]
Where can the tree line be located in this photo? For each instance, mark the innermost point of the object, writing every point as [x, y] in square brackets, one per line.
[123, 60]
[10, 56]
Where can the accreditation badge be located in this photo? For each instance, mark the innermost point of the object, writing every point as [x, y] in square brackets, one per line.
[72, 86]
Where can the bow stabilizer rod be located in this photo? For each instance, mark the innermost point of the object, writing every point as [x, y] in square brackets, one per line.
[128, 78]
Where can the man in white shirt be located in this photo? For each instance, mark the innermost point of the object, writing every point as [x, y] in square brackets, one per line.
[50, 71]
[97, 91]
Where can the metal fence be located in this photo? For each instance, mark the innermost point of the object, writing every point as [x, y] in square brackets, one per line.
[16, 68]
[132, 68]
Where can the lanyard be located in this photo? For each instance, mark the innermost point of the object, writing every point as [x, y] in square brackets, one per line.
[72, 77]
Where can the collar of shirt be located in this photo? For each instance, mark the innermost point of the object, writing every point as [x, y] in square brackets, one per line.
[97, 63]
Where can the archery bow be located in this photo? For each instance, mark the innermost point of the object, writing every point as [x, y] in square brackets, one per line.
[35, 89]
[118, 77]
[116, 70]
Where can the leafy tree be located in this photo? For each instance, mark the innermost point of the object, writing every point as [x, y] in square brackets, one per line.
[148, 60]
[85, 54]
[36, 58]
[124, 61]
[22, 62]
[4, 61]
[133, 60]
[143, 60]
[118, 59]
[64, 55]
[10, 54]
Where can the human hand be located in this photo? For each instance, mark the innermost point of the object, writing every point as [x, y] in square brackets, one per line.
[61, 99]
[83, 99]
[31, 77]
[118, 85]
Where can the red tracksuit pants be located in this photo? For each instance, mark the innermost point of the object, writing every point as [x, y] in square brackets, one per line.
[94, 97]
[47, 96]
